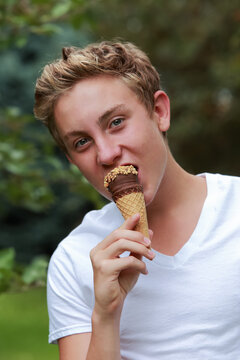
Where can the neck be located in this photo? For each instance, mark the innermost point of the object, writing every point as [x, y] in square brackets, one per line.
[178, 190]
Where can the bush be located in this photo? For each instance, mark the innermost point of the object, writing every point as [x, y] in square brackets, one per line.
[14, 276]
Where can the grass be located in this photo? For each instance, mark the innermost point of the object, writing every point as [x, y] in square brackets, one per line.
[24, 327]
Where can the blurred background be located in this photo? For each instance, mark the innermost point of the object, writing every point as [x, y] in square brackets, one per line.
[195, 45]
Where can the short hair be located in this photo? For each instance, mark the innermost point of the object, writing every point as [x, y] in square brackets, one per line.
[118, 59]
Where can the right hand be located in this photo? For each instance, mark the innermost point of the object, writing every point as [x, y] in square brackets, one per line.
[115, 276]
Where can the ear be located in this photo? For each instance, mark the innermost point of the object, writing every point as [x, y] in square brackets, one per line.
[162, 110]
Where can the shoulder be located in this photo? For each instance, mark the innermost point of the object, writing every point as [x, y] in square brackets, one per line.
[100, 222]
[96, 225]
[224, 192]
[224, 183]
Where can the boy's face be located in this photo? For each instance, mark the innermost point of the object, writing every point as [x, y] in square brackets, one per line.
[104, 125]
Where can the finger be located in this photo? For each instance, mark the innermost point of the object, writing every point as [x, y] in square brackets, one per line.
[131, 222]
[126, 263]
[124, 231]
[134, 236]
[122, 245]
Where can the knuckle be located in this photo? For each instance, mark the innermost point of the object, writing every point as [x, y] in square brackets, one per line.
[131, 259]
[102, 266]
[92, 254]
[121, 244]
[140, 238]
[115, 233]
[95, 258]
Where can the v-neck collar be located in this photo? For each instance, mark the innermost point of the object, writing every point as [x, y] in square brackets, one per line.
[198, 234]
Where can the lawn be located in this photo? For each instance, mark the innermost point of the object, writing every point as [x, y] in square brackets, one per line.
[24, 327]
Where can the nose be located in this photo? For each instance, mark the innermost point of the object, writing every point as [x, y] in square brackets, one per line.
[107, 152]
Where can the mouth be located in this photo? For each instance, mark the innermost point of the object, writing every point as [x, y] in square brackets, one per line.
[128, 164]
[123, 164]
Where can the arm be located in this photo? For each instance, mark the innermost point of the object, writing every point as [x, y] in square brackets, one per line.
[74, 346]
[114, 277]
[105, 337]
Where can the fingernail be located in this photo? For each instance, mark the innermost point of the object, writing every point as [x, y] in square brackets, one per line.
[151, 253]
[147, 241]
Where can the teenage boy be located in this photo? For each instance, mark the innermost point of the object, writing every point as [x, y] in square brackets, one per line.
[109, 296]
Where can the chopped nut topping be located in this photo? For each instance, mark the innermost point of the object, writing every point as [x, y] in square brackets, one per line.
[125, 170]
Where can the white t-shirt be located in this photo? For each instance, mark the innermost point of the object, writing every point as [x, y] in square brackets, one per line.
[186, 308]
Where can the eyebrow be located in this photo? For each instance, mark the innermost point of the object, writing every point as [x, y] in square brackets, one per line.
[103, 118]
[107, 114]
[70, 134]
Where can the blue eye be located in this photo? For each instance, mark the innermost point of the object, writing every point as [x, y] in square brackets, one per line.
[116, 122]
[81, 142]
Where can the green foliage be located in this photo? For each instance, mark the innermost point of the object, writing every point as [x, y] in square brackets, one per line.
[23, 183]
[18, 277]
[6, 268]
[19, 18]
[35, 273]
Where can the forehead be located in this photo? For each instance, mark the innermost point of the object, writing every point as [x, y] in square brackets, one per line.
[94, 95]
[100, 86]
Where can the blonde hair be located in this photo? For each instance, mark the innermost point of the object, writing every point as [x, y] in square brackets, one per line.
[122, 60]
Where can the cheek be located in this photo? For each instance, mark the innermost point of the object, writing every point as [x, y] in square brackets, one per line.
[156, 165]
[89, 169]
[150, 134]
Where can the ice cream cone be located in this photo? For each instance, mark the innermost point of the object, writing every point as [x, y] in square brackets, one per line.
[122, 182]
[131, 204]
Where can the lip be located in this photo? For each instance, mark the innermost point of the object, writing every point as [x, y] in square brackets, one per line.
[128, 164]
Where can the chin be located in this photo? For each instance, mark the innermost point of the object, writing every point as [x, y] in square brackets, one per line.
[105, 195]
[148, 198]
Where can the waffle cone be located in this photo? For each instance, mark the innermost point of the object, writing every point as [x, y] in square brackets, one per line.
[131, 204]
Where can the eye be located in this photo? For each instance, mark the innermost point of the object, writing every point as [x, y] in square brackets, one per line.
[116, 122]
[81, 142]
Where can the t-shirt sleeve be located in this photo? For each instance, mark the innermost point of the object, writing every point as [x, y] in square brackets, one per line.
[69, 296]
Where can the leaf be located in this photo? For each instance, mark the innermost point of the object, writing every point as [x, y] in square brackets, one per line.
[46, 29]
[36, 272]
[5, 279]
[7, 257]
[21, 41]
[61, 9]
